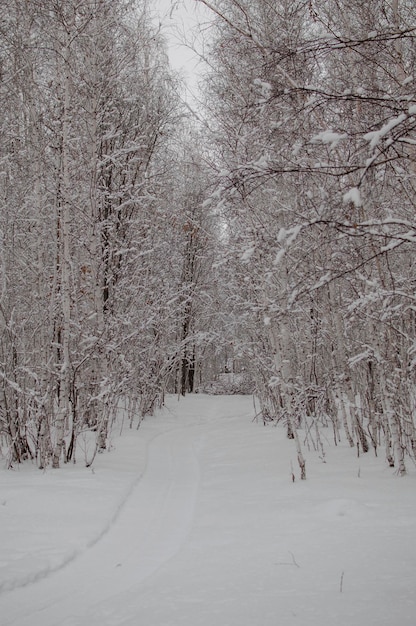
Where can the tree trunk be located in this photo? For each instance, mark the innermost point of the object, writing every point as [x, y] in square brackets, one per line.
[63, 415]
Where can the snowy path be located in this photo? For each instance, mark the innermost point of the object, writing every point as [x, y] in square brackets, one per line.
[213, 531]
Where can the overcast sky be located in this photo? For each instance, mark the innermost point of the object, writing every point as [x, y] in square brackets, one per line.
[182, 20]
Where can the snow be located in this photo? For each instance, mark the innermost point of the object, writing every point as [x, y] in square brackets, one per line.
[194, 520]
[262, 163]
[281, 235]
[375, 137]
[322, 281]
[247, 254]
[279, 256]
[288, 235]
[265, 88]
[353, 195]
[329, 137]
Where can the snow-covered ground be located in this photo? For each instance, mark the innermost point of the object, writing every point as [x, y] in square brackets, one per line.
[193, 520]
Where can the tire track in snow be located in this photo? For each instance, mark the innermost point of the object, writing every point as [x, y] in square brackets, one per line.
[146, 531]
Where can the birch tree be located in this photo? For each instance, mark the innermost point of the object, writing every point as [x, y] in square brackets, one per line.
[90, 105]
[313, 115]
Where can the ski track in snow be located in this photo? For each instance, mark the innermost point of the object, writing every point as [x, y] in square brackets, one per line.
[152, 520]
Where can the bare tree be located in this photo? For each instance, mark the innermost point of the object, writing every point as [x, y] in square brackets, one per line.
[312, 105]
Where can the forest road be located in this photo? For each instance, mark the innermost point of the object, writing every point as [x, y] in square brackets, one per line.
[150, 529]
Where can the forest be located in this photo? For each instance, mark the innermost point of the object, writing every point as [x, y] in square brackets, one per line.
[266, 238]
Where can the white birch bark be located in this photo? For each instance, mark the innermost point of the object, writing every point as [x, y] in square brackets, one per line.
[280, 342]
[64, 409]
[393, 422]
[100, 369]
[339, 359]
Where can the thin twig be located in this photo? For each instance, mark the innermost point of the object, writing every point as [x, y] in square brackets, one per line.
[293, 559]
